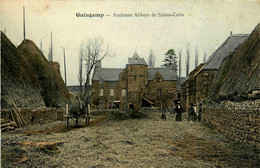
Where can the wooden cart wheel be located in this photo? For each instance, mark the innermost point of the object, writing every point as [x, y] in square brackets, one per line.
[68, 123]
[87, 121]
[77, 121]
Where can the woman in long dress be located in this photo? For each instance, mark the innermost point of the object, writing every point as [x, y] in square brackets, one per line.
[178, 112]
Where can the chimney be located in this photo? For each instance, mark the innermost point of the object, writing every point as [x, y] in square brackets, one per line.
[98, 64]
[230, 33]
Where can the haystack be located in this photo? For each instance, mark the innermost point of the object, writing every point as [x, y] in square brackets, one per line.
[19, 82]
[53, 89]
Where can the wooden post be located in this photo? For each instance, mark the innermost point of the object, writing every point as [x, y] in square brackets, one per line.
[66, 110]
[24, 23]
[65, 74]
[51, 53]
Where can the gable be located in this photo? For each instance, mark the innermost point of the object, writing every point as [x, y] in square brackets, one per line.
[166, 73]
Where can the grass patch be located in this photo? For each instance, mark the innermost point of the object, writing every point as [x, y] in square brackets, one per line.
[210, 127]
[12, 155]
[119, 116]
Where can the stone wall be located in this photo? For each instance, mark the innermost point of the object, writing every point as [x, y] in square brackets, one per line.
[237, 120]
[37, 116]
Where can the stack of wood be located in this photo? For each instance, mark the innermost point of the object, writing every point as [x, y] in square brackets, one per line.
[7, 124]
[17, 117]
[15, 121]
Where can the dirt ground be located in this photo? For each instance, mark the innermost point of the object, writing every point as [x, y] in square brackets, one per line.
[147, 142]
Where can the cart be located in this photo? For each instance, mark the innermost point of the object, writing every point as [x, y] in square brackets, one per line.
[77, 110]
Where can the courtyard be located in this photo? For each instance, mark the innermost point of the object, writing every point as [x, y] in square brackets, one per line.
[146, 142]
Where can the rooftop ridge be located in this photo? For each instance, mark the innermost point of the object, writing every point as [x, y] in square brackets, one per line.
[220, 47]
[240, 35]
[112, 68]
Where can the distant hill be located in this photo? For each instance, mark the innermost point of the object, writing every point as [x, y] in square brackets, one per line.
[19, 81]
[239, 74]
[53, 89]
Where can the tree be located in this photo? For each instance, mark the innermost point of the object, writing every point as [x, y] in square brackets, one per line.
[187, 58]
[151, 59]
[80, 73]
[170, 60]
[180, 53]
[204, 59]
[92, 52]
[196, 56]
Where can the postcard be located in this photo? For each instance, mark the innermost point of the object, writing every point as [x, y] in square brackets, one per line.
[148, 83]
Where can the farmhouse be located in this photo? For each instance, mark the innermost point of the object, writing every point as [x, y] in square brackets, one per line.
[134, 86]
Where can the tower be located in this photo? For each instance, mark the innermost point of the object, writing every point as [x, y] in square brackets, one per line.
[137, 79]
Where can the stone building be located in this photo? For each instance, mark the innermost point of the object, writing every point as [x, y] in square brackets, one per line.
[133, 87]
[188, 92]
[199, 83]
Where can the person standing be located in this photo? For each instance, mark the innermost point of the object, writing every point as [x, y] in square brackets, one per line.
[178, 112]
[163, 116]
[191, 113]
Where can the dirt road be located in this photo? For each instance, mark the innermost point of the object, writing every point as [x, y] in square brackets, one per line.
[148, 142]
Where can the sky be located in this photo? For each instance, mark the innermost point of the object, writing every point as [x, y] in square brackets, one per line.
[204, 23]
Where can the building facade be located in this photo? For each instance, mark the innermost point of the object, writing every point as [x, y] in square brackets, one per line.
[133, 87]
[199, 83]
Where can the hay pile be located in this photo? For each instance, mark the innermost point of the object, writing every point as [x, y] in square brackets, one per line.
[19, 81]
[53, 89]
[28, 78]
[239, 74]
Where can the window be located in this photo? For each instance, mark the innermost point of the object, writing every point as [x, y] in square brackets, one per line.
[159, 92]
[123, 92]
[157, 79]
[135, 78]
[101, 92]
[123, 78]
[112, 92]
